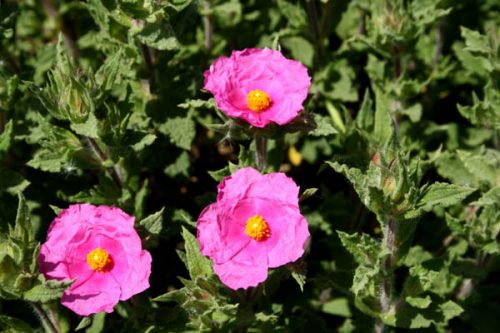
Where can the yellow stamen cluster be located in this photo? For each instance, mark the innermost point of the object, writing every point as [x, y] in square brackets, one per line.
[258, 100]
[99, 259]
[257, 228]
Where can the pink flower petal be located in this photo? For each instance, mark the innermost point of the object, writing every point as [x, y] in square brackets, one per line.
[98, 293]
[81, 229]
[286, 81]
[239, 260]
[236, 275]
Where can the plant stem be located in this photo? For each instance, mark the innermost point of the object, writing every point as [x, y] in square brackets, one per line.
[379, 326]
[260, 152]
[208, 26]
[51, 12]
[387, 285]
[397, 62]
[313, 16]
[388, 266]
[115, 172]
[44, 318]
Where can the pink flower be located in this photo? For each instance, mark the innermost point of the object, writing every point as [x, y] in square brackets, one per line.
[100, 249]
[255, 224]
[258, 85]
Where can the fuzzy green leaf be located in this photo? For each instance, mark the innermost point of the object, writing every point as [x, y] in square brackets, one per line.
[197, 264]
[338, 307]
[154, 222]
[443, 194]
[84, 323]
[6, 138]
[22, 229]
[181, 131]
[383, 128]
[14, 325]
[323, 126]
[364, 249]
[46, 290]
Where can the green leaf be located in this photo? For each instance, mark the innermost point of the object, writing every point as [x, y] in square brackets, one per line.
[181, 131]
[419, 302]
[483, 166]
[308, 193]
[22, 229]
[6, 138]
[218, 175]
[180, 167]
[363, 248]
[323, 127]
[146, 139]
[383, 122]
[492, 197]
[14, 325]
[197, 264]
[109, 72]
[154, 222]
[98, 321]
[178, 296]
[46, 290]
[301, 49]
[300, 278]
[12, 182]
[366, 281]
[451, 167]
[443, 195]
[156, 32]
[437, 312]
[475, 42]
[364, 119]
[89, 127]
[85, 322]
[338, 307]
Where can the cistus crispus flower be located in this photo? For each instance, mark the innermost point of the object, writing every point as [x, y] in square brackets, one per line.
[99, 248]
[255, 224]
[260, 86]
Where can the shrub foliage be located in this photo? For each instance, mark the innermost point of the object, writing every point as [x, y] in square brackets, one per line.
[396, 153]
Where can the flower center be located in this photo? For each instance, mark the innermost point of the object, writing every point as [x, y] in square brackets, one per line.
[99, 260]
[258, 100]
[257, 228]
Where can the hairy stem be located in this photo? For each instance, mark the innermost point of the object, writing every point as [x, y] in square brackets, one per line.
[313, 17]
[51, 12]
[44, 318]
[208, 26]
[388, 265]
[379, 326]
[260, 152]
[115, 171]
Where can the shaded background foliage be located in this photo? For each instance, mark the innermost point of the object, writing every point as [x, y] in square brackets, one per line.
[101, 101]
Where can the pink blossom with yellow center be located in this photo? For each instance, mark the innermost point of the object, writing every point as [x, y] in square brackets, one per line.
[260, 86]
[99, 248]
[255, 224]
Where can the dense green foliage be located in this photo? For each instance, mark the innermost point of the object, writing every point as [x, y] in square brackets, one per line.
[396, 153]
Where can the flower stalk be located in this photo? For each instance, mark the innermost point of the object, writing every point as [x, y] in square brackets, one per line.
[208, 26]
[44, 318]
[260, 152]
[115, 172]
[388, 265]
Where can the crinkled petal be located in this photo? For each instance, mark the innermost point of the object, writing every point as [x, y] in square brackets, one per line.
[275, 187]
[220, 235]
[286, 81]
[234, 187]
[293, 233]
[77, 231]
[236, 275]
[99, 293]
